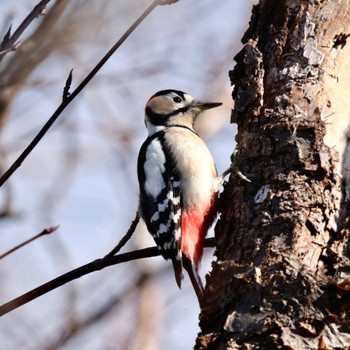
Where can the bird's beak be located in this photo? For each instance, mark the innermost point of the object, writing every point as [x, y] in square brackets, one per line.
[205, 105]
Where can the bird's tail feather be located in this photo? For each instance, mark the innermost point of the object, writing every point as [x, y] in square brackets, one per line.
[177, 264]
[196, 281]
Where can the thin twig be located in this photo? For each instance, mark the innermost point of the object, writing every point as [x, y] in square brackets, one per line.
[93, 266]
[125, 239]
[14, 47]
[46, 231]
[9, 40]
[74, 94]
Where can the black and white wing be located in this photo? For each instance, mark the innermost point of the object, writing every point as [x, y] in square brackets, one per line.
[160, 199]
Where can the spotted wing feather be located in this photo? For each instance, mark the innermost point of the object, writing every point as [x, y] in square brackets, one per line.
[160, 199]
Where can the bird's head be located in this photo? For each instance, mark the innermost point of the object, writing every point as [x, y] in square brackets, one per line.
[173, 107]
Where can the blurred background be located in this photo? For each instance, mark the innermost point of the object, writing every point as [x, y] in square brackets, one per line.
[82, 175]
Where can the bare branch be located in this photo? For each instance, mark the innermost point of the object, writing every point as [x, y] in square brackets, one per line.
[125, 239]
[14, 47]
[74, 94]
[44, 232]
[9, 40]
[93, 266]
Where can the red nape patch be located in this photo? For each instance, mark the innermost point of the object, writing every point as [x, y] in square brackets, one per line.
[194, 226]
[152, 97]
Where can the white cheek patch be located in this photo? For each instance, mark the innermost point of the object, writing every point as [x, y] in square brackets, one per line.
[161, 105]
[154, 168]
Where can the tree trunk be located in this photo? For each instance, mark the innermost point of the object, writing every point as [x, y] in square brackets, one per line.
[282, 275]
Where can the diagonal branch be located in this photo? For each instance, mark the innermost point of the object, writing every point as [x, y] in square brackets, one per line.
[125, 239]
[44, 232]
[9, 41]
[82, 85]
[14, 47]
[93, 266]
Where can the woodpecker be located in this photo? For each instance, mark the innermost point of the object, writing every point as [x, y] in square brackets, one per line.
[178, 182]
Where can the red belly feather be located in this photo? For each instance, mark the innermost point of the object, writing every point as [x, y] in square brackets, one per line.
[194, 225]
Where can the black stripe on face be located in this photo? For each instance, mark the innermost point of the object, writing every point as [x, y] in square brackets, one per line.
[155, 118]
[161, 119]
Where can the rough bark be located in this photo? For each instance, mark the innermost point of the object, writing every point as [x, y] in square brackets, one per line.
[282, 275]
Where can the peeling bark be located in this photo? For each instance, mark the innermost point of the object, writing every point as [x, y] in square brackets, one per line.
[282, 275]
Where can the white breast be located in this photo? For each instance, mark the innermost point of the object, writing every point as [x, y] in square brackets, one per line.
[195, 164]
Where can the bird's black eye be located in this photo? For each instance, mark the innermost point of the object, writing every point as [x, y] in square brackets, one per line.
[177, 99]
